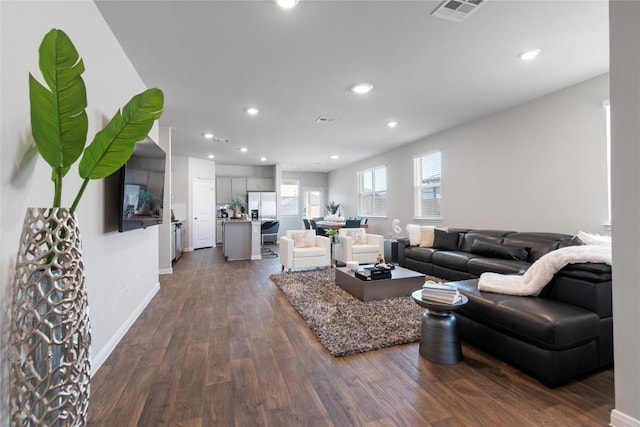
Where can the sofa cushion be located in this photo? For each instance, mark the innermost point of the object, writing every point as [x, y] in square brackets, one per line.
[539, 243]
[427, 235]
[545, 323]
[308, 252]
[597, 272]
[490, 236]
[304, 239]
[419, 254]
[358, 235]
[493, 250]
[454, 260]
[413, 230]
[574, 241]
[365, 249]
[446, 240]
[477, 266]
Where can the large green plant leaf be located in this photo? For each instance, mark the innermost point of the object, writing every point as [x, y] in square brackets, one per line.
[113, 145]
[58, 118]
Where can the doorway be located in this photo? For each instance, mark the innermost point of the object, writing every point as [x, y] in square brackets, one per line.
[203, 213]
[313, 205]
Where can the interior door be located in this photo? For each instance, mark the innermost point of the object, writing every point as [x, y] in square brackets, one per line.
[203, 210]
[313, 203]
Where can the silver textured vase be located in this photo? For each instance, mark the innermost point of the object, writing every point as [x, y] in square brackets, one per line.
[50, 330]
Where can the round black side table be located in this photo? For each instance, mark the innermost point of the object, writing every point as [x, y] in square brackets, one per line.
[439, 340]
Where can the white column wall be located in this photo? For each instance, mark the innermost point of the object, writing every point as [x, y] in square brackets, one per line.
[121, 268]
[624, 20]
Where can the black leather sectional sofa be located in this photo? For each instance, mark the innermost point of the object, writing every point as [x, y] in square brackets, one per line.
[564, 332]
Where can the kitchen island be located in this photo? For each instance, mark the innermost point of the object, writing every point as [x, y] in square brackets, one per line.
[241, 239]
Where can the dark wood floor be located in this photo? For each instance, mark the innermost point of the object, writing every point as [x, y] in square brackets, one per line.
[220, 345]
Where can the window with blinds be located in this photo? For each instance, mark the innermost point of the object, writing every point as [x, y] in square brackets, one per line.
[289, 197]
[372, 192]
[427, 196]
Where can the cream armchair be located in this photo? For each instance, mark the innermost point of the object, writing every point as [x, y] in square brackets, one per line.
[303, 248]
[357, 245]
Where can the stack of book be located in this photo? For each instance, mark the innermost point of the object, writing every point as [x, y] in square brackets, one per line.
[440, 292]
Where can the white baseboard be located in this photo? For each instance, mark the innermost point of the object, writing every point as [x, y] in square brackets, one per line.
[166, 271]
[98, 360]
[619, 419]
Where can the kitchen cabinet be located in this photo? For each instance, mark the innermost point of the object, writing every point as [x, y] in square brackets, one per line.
[239, 188]
[228, 187]
[223, 190]
[260, 184]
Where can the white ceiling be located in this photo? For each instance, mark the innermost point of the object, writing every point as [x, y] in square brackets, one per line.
[212, 59]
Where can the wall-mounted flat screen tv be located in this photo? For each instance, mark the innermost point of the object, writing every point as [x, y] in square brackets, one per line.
[142, 187]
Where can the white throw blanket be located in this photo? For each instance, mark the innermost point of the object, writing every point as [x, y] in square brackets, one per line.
[542, 271]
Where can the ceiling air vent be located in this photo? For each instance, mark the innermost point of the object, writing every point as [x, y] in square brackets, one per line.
[221, 140]
[457, 10]
[325, 119]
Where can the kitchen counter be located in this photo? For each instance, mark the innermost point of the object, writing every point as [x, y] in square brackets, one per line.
[241, 239]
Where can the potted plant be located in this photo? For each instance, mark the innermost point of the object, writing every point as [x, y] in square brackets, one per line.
[50, 332]
[332, 233]
[333, 207]
[239, 206]
[333, 215]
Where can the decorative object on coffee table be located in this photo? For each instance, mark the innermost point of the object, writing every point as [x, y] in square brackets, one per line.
[439, 340]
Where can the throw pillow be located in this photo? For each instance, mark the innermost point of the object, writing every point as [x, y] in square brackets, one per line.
[493, 250]
[358, 235]
[574, 241]
[446, 240]
[594, 239]
[427, 234]
[304, 239]
[413, 230]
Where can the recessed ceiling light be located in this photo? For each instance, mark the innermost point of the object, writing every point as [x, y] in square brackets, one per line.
[361, 88]
[263, 159]
[529, 55]
[211, 156]
[252, 111]
[243, 149]
[392, 124]
[287, 4]
[208, 135]
[335, 157]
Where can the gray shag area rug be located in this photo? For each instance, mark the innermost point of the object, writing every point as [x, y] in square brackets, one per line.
[344, 324]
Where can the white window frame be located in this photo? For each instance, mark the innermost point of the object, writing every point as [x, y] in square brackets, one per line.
[284, 211]
[376, 195]
[420, 186]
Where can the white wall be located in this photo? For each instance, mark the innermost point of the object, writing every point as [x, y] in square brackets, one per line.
[121, 268]
[165, 235]
[625, 110]
[540, 166]
[307, 180]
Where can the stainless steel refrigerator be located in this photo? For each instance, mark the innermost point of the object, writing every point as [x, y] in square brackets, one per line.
[264, 202]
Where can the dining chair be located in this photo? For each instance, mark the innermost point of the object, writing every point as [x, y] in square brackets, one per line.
[352, 223]
[307, 225]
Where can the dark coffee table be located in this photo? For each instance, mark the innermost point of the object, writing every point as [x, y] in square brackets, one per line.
[402, 283]
[439, 340]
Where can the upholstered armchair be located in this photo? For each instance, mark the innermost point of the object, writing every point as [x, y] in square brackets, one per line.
[303, 248]
[357, 245]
